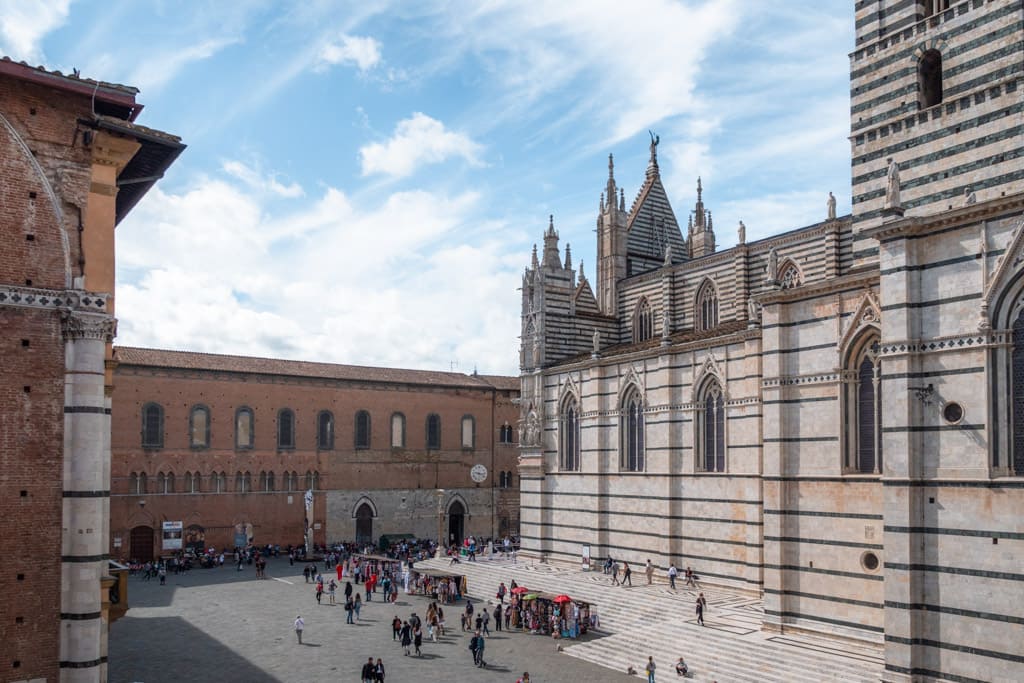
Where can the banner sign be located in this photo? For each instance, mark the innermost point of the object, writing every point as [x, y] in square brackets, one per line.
[172, 535]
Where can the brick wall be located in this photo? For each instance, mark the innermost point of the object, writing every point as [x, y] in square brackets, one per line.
[32, 372]
[277, 517]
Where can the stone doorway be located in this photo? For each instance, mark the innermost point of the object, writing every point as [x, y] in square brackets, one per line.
[456, 523]
[142, 544]
[364, 524]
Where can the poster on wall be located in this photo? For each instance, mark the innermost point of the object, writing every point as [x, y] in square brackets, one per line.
[172, 535]
[586, 558]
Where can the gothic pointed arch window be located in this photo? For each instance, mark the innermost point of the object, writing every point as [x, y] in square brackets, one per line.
[1017, 395]
[929, 78]
[569, 434]
[861, 388]
[710, 427]
[165, 482]
[706, 310]
[789, 276]
[632, 431]
[325, 430]
[194, 482]
[643, 321]
[152, 425]
[285, 429]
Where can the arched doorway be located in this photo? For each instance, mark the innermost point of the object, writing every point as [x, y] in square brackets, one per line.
[364, 524]
[142, 544]
[195, 539]
[456, 523]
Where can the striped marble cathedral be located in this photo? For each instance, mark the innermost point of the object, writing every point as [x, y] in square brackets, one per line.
[832, 417]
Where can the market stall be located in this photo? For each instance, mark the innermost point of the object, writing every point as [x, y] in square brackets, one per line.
[378, 565]
[445, 587]
[546, 614]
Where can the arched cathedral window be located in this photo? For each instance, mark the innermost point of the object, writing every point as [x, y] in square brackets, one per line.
[707, 307]
[863, 417]
[631, 428]
[1017, 394]
[152, 425]
[570, 435]
[929, 78]
[710, 428]
[643, 322]
[789, 276]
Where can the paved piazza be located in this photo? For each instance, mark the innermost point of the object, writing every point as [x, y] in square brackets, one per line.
[224, 625]
[234, 628]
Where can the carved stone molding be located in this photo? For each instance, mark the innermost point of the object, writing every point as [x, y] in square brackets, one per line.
[78, 325]
[951, 343]
[53, 299]
[793, 380]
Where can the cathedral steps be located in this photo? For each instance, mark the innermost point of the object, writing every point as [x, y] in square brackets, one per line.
[654, 620]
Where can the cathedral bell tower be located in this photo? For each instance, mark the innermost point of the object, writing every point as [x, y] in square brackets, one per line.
[611, 244]
[701, 232]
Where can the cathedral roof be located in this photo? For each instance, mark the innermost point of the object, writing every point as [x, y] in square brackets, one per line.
[189, 360]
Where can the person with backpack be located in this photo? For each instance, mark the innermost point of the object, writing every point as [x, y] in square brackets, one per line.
[525, 677]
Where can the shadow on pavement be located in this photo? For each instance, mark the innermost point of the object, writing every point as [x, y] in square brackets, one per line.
[155, 651]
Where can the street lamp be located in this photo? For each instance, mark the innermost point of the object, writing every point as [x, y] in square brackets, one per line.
[440, 519]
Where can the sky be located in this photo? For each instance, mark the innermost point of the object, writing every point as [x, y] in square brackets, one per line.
[364, 181]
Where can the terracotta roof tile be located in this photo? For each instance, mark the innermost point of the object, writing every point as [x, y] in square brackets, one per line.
[189, 360]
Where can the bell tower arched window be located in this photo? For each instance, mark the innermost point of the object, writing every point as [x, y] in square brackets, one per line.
[643, 321]
[710, 428]
[570, 435]
[707, 307]
[929, 78]
[863, 416]
[631, 427]
[1017, 395]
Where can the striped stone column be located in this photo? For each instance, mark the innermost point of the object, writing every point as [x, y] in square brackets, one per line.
[86, 486]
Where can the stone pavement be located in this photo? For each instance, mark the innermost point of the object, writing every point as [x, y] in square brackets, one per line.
[654, 620]
[225, 626]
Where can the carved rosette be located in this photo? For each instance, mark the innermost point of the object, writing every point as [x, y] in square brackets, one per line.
[78, 325]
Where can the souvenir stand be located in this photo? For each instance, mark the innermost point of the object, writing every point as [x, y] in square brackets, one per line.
[446, 587]
[378, 564]
[558, 616]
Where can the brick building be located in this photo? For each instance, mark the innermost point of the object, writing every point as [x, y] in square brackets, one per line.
[72, 164]
[228, 445]
[833, 416]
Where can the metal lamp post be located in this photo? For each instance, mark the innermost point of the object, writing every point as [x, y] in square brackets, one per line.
[440, 520]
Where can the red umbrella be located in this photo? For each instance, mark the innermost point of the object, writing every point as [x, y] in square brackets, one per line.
[562, 598]
[519, 590]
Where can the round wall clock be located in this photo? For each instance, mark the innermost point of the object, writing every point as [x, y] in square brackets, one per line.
[478, 473]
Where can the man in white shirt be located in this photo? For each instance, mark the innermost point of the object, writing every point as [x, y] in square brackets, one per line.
[299, 625]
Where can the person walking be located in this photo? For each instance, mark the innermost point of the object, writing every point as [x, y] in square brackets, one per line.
[497, 617]
[501, 593]
[650, 669]
[486, 616]
[369, 674]
[691, 579]
[650, 572]
[406, 637]
[378, 671]
[701, 606]
[319, 591]
[396, 627]
[349, 610]
[627, 574]
[614, 571]
[525, 678]
[672, 574]
[357, 604]
[331, 587]
[417, 639]
[299, 626]
[305, 573]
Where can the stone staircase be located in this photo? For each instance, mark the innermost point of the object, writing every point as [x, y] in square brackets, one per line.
[653, 620]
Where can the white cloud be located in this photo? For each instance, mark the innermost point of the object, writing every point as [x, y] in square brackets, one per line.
[24, 24]
[256, 180]
[154, 71]
[362, 51]
[415, 280]
[416, 141]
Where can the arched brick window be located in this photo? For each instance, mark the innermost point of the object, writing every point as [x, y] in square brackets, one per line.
[362, 435]
[199, 427]
[152, 425]
[433, 432]
[285, 429]
[325, 430]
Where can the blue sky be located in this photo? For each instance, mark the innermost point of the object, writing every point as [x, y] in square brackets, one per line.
[364, 181]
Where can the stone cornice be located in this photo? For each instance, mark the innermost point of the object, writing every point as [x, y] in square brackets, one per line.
[794, 380]
[821, 287]
[53, 299]
[964, 215]
[989, 338]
